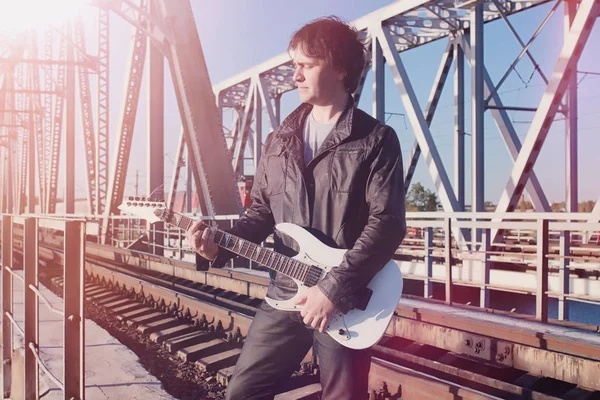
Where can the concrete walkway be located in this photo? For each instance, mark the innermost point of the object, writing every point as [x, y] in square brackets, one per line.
[112, 371]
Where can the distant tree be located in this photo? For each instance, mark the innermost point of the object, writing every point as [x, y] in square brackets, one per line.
[586, 206]
[558, 207]
[525, 205]
[420, 199]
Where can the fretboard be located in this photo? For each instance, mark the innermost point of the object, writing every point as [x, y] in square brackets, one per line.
[251, 251]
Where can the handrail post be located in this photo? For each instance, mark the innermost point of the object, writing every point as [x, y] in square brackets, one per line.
[7, 304]
[563, 274]
[74, 322]
[541, 296]
[484, 292]
[31, 305]
[428, 285]
[448, 252]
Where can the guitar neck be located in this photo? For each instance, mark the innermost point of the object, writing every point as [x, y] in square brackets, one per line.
[251, 251]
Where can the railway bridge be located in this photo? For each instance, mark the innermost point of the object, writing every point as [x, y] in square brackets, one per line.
[501, 282]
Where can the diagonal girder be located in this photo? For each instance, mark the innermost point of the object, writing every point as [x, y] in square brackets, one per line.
[432, 103]
[548, 106]
[87, 118]
[417, 119]
[266, 100]
[508, 133]
[22, 103]
[39, 127]
[214, 176]
[241, 135]
[176, 171]
[103, 111]
[56, 134]
[127, 122]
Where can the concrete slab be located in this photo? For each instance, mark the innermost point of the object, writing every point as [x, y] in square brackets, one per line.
[162, 335]
[217, 361]
[197, 351]
[112, 371]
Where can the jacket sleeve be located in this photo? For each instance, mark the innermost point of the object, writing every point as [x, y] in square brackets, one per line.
[257, 221]
[383, 233]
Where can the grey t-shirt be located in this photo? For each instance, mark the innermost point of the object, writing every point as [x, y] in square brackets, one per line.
[314, 135]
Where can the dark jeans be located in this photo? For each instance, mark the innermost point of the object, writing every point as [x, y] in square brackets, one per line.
[276, 344]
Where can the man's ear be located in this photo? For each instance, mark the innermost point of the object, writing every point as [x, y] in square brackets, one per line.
[341, 74]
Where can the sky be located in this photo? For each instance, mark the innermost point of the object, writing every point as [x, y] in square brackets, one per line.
[237, 35]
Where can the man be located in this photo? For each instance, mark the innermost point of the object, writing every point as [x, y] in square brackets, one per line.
[337, 172]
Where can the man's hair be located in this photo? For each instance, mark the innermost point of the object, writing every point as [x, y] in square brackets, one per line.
[335, 41]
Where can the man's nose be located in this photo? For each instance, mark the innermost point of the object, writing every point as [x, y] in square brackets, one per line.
[298, 77]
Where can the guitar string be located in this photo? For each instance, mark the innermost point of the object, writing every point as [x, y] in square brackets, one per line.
[310, 272]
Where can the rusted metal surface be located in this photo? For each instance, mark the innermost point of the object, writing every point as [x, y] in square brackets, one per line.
[230, 320]
[570, 368]
[401, 382]
[499, 387]
[549, 355]
[507, 332]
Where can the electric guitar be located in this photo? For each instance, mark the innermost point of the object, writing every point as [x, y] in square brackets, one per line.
[357, 329]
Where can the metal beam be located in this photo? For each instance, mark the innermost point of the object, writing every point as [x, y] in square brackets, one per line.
[571, 125]
[509, 134]
[126, 124]
[199, 114]
[257, 126]
[266, 101]
[70, 127]
[239, 144]
[55, 136]
[87, 118]
[31, 132]
[432, 103]
[156, 131]
[103, 110]
[477, 115]
[39, 127]
[459, 126]
[418, 122]
[378, 69]
[559, 80]
[176, 171]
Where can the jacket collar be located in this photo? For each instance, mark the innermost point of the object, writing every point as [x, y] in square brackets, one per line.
[293, 125]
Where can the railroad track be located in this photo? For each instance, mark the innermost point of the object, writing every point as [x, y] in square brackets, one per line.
[206, 325]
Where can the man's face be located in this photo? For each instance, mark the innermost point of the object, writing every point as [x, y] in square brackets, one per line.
[318, 82]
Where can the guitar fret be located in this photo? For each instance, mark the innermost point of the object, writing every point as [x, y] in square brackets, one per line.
[285, 266]
[277, 262]
[281, 263]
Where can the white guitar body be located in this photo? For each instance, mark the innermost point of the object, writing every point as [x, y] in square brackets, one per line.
[357, 329]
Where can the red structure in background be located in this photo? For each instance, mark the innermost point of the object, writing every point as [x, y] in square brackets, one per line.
[244, 188]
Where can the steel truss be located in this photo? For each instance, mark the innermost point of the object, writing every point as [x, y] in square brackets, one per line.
[218, 157]
[408, 24]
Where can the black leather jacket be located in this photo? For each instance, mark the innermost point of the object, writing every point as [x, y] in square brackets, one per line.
[350, 196]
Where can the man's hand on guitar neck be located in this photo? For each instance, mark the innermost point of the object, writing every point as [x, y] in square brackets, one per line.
[203, 242]
[317, 310]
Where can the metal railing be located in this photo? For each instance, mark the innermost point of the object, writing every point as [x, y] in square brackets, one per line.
[72, 383]
[552, 235]
[536, 240]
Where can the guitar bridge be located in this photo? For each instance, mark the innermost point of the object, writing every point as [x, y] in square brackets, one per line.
[337, 327]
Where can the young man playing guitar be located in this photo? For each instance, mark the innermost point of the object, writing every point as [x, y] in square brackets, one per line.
[337, 172]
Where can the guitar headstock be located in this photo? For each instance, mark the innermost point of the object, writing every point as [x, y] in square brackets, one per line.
[150, 209]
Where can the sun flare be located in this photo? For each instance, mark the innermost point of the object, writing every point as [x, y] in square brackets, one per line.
[20, 15]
